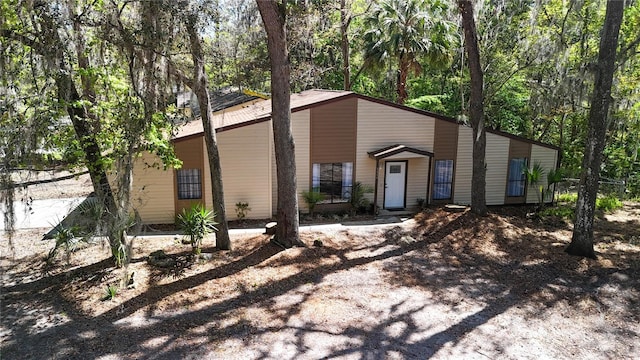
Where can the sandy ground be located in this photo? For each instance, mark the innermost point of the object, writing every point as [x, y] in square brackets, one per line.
[441, 285]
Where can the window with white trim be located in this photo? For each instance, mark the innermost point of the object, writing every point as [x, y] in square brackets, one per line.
[443, 177]
[333, 180]
[517, 178]
[189, 184]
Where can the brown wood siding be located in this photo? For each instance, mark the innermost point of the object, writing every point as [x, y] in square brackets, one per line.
[445, 147]
[517, 149]
[191, 153]
[333, 132]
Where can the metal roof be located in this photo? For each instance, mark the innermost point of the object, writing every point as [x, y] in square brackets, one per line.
[259, 111]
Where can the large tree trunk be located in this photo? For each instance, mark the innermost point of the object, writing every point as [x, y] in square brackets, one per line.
[345, 20]
[200, 87]
[401, 86]
[476, 110]
[273, 17]
[582, 240]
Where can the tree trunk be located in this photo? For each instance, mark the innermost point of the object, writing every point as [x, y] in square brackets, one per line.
[582, 240]
[201, 89]
[345, 19]
[273, 17]
[476, 110]
[117, 213]
[401, 87]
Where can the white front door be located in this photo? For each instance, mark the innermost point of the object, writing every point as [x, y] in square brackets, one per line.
[395, 180]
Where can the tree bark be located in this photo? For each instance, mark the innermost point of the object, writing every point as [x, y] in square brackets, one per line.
[582, 239]
[200, 87]
[401, 87]
[476, 109]
[273, 17]
[345, 20]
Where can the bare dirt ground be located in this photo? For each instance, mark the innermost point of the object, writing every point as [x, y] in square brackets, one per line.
[441, 285]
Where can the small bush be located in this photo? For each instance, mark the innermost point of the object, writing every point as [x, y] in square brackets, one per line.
[67, 239]
[561, 211]
[242, 208]
[358, 201]
[311, 198]
[608, 204]
[567, 211]
[196, 223]
[111, 292]
[567, 197]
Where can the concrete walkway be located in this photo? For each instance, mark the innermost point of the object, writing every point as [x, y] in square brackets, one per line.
[41, 213]
[332, 227]
[47, 213]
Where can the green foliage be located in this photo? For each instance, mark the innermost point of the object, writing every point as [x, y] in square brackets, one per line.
[358, 200]
[67, 240]
[242, 208]
[567, 198]
[564, 211]
[567, 205]
[555, 176]
[402, 33]
[196, 223]
[608, 204]
[534, 176]
[433, 103]
[111, 292]
[311, 198]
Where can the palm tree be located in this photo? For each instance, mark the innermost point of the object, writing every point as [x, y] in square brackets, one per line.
[405, 31]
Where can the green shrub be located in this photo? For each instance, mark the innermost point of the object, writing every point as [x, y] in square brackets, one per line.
[358, 201]
[608, 204]
[196, 223]
[311, 198]
[534, 177]
[567, 198]
[111, 292]
[561, 211]
[67, 239]
[242, 208]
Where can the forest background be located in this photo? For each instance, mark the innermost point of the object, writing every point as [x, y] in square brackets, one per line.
[537, 60]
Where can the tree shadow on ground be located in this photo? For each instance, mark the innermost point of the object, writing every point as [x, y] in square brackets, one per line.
[442, 255]
[518, 268]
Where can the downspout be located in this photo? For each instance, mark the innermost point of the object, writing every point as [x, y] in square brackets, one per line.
[375, 189]
[428, 198]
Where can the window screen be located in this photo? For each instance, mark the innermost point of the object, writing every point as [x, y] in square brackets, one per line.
[189, 184]
[334, 181]
[517, 179]
[442, 180]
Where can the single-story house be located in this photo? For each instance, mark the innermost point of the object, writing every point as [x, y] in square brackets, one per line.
[341, 138]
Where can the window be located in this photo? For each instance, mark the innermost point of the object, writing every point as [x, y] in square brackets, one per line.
[334, 181]
[189, 184]
[517, 178]
[442, 180]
